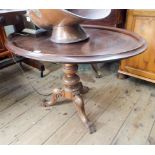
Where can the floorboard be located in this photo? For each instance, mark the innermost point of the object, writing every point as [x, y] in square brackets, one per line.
[122, 110]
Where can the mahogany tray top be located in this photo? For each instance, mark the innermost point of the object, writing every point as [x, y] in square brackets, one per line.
[105, 43]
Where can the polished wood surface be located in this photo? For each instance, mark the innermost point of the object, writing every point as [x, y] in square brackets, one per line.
[143, 65]
[105, 43]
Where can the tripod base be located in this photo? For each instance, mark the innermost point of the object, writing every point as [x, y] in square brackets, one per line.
[73, 90]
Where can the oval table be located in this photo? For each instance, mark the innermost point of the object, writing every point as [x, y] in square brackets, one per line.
[104, 44]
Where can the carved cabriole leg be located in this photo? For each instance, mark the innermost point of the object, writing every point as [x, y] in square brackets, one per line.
[72, 90]
[79, 104]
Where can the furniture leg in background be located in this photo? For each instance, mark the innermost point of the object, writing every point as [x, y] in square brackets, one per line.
[35, 64]
[97, 70]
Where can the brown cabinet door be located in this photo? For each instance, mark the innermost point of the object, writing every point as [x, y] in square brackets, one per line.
[143, 65]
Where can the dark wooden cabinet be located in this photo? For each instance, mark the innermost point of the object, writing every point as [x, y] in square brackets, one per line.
[3, 51]
[13, 17]
[8, 17]
[2, 47]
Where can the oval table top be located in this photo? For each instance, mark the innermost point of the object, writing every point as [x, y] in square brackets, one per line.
[104, 44]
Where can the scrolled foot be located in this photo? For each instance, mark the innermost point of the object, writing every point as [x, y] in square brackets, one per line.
[79, 104]
[56, 94]
[46, 103]
[91, 127]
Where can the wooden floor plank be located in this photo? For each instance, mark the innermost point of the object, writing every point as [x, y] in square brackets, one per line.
[138, 125]
[151, 138]
[94, 107]
[19, 90]
[127, 116]
[46, 126]
[10, 80]
[26, 117]
[54, 124]
[15, 110]
[111, 120]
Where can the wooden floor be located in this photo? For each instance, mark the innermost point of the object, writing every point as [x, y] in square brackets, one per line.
[122, 110]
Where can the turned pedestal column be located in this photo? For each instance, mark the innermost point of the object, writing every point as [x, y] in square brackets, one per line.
[72, 90]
